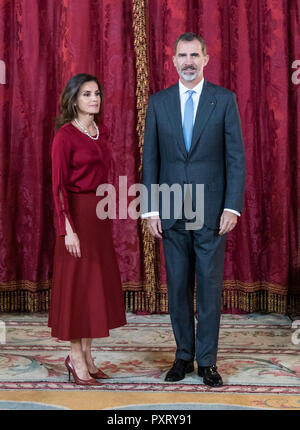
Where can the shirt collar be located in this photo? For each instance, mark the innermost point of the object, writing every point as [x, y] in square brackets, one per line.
[198, 88]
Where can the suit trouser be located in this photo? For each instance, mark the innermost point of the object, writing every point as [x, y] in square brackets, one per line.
[190, 252]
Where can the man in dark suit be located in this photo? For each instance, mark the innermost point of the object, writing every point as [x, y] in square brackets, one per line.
[193, 136]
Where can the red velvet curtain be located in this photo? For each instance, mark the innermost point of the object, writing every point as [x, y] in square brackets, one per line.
[43, 43]
[252, 45]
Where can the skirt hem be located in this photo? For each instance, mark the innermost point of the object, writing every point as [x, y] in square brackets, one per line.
[86, 336]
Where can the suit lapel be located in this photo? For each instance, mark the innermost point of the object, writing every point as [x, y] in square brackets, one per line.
[173, 109]
[206, 105]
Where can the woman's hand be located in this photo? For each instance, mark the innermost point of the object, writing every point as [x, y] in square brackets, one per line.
[72, 244]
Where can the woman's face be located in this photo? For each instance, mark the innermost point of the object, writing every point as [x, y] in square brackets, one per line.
[88, 98]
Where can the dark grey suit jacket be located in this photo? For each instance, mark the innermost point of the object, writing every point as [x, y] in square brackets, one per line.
[216, 157]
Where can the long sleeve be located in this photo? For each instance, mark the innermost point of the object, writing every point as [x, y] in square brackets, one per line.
[61, 152]
[151, 163]
[235, 158]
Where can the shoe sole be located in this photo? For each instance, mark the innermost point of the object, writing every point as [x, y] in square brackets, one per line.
[212, 385]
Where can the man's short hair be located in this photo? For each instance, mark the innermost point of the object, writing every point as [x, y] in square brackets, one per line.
[188, 37]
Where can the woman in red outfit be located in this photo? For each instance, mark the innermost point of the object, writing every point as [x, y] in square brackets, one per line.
[86, 296]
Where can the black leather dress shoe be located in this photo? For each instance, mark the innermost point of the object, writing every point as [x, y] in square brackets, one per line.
[179, 369]
[210, 376]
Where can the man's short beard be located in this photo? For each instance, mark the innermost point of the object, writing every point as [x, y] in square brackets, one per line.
[189, 77]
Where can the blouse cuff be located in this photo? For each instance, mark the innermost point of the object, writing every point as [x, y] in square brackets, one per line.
[62, 224]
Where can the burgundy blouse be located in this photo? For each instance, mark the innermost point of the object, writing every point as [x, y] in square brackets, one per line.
[79, 165]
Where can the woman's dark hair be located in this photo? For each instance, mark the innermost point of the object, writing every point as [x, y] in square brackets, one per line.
[68, 98]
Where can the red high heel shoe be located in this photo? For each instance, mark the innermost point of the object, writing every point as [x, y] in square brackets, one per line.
[77, 380]
[99, 375]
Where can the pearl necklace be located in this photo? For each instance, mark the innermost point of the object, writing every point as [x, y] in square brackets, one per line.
[85, 130]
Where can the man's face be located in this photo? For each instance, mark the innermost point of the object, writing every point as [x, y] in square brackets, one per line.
[190, 61]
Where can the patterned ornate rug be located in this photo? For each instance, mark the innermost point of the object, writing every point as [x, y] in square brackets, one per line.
[258, 359]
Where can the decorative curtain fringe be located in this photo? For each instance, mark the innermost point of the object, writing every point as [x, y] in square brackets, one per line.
[139, 301]
[24, 301]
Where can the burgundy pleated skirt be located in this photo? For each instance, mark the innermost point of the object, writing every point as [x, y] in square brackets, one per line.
[86, 296]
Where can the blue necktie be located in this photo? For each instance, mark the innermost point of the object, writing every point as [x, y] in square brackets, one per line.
[188, 120]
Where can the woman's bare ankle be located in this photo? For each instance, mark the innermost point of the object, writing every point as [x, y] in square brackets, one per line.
[91, 364]
[80, 365]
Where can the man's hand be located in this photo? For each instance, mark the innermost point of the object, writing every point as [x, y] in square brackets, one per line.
[228, 222]
[154, 225]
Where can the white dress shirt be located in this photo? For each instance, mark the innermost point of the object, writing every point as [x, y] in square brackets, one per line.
[183, 94]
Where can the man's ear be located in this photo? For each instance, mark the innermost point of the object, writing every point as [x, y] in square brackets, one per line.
[206, 60]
